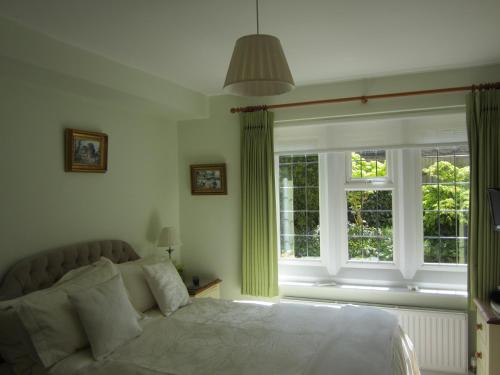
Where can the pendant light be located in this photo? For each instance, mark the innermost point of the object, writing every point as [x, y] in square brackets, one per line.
[258, 66]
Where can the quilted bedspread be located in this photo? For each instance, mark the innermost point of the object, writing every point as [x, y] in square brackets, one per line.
[224, 337]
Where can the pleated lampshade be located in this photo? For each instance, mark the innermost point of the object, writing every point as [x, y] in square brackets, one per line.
[258, 67]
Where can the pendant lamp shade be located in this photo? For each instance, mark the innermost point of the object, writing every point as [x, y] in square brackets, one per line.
[258, 67]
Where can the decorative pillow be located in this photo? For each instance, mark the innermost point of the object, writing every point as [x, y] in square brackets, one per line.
[16, 347]
[167, 286]
[51, 320]
[108, 317]
[137, 287]
[77, 272]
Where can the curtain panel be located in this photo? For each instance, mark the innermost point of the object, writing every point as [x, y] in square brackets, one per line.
[483, 128]
[259, 247]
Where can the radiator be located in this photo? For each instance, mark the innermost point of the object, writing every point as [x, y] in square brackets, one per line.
[439, 337]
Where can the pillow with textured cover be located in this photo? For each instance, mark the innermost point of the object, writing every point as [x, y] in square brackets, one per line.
[75, 273]
[108, 317]
[135, 282]
[167, 286]
[51, 320]
[16, 347]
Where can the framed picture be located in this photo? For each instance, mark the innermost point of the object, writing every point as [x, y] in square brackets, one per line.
[208, 179]
[86, 151]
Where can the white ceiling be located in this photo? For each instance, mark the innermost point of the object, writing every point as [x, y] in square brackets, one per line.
[190, 41]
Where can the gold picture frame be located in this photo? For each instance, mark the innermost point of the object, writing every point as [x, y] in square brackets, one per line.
[208, 179]
[85, 151]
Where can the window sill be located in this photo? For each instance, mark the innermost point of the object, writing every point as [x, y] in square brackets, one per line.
[386, 289]
[442, 267]
[370, 265]
[301, 262]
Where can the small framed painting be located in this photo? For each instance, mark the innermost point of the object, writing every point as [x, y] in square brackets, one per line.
[86, 151]
[208, 179]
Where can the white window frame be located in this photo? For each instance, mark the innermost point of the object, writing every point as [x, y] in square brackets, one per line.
[387, 179]
[320, 261]
[422, 266]
[377, 183]
[404, 179]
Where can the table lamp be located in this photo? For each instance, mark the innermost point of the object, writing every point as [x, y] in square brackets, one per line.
[168, 239]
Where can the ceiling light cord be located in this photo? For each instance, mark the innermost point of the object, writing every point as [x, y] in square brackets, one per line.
[257, 11]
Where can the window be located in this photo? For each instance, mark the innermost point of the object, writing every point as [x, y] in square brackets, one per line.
[369, 224]
[368, 164]
[445, 202]
[369, 207]
[387, 216]
[299, 206]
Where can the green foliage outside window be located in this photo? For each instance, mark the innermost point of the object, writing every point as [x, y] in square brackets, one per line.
[369, 212]
[368, 164]
[299, 206]
[445, 200]
[369, 220]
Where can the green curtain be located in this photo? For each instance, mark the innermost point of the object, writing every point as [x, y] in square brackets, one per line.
[260, 247]
[483, 128]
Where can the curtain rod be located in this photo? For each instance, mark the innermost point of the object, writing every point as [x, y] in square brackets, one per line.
[365, 98]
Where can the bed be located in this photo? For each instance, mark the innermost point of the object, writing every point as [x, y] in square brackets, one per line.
[208, 336]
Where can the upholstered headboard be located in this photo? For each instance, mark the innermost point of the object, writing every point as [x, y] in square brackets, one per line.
[42, 270]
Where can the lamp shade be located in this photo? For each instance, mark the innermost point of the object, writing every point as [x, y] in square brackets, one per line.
[168, 237]
[258, 67]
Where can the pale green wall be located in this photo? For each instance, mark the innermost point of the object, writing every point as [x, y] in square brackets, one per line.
[41, 206]
[211, 231]
[47, 85]
[92, 73]
[210, 225]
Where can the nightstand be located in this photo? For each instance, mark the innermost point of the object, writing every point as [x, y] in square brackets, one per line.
[207, 288]
[487, 339]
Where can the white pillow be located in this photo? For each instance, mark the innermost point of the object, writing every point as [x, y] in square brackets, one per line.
[16, 347]
[167, 286]
[70, 275]
[108, 317]
[51, 320]
[137, 287]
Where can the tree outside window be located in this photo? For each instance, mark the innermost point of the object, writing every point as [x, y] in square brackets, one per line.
[445, 202]
[369, 212]
[299, 206]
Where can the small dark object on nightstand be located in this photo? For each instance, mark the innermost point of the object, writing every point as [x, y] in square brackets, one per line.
[196, 281]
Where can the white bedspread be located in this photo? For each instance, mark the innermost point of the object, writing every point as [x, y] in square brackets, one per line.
[223, 337]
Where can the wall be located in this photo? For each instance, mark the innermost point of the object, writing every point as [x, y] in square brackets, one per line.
[211, 231]
[42, 206]
[47, 85]
[210, 225]
[96, 75]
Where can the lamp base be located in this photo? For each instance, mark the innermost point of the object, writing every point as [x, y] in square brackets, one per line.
[169, 251]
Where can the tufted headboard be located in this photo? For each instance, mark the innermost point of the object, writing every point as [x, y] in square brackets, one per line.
[42, 270]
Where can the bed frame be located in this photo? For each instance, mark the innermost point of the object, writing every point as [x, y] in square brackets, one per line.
[44, 269]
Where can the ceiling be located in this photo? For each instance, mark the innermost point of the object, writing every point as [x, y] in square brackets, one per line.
[190, 42]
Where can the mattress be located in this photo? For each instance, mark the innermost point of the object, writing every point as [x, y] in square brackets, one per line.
[223, 337]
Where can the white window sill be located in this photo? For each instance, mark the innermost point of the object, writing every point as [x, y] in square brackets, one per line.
[370, 265]
[388, 289]
[443, 267]
[301, 262]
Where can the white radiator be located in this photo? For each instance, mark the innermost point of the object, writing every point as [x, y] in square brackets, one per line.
[439, 337]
